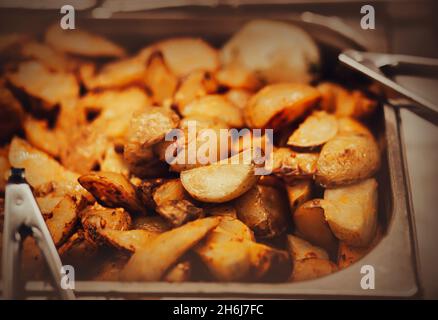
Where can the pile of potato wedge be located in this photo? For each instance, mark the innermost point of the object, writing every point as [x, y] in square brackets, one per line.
[87, 121]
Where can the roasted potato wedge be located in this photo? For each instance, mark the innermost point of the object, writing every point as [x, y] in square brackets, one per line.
[214, 106]
[196, 84]
[112, 190]
[52, 59]
[150, 263]
[63, 220]
[312, 268]
[169, 190]
[219, 182]
[236, 77]
[290, 165]
[277, 51]
[150, 223]
[159, 79]
[185, 55]
[351, 212]
[351, 125]
[298, 193]
[49, 87]
[80, 42]
[264, 209]
[346, 159]
[114, 162]
[126, 240]
[238, 97]
[79, 251]
[311, 225]
[41, 170]
[300, 249]
[279, 104]
[230, 254]
[316, 130]
[96, 217]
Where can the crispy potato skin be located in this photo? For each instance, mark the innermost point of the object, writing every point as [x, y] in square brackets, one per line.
[311, 225]
[279, 104]
[264, 209]
[346, 159]
[112, 190]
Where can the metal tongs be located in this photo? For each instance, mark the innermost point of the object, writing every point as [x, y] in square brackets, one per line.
[379, 66]
[23, 218]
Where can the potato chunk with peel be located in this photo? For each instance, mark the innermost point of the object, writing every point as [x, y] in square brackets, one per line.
[41, 170]
[151, 262]
[127, 240]
[298, 193]
[316, 130]
[112, 190]
[179, 273]
[346, 159]
[62, 220]
[312, 268]
[230, 254]
[312, 226]
[352, 212]
[264, 209]
[81, 42]
[214, 106]
[300, 249]
[218, 182]
[279, 104]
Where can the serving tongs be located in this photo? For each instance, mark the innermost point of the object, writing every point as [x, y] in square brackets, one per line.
[22, 218]
[380, 67]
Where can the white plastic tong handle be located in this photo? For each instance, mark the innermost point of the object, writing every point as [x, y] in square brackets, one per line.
[23, 214]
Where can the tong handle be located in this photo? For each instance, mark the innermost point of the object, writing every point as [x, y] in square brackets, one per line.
[22, 212]
[371, 64]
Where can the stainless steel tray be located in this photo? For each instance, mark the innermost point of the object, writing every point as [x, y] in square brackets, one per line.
[394, 258]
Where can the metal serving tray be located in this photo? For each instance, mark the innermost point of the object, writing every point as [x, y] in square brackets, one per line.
[393, 259]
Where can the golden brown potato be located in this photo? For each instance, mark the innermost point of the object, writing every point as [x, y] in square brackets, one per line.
[219, 182]
[148, 128]
[196, 84]
[37, 81]
[181, 272]
[169, 190]
[347, 255]
[126, 240]
[238, 97]
[85, 151]
[264, 209]
[279, 104]
[316, 130]
[230, 254]
[163, 251]
[351, 212]
[52, 59]
[11, 114]
[350, 125]
[150, 223]
[41, 170]
[48, 140]
[312, 268]
[290, 165]
[214, 106]
[343, 102]
[114, 162]
[236, 77]
[117, 74]
[185, 55]
[112, 190]
[80, 42]
[346, 159]
[47, 204]
[178, 212]
[114, 109]
[96, 217]
[300, 249]
[310, 224]
[63, 220]
[276, 51]
[159, 79]
[298, 193]
[79, 251]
